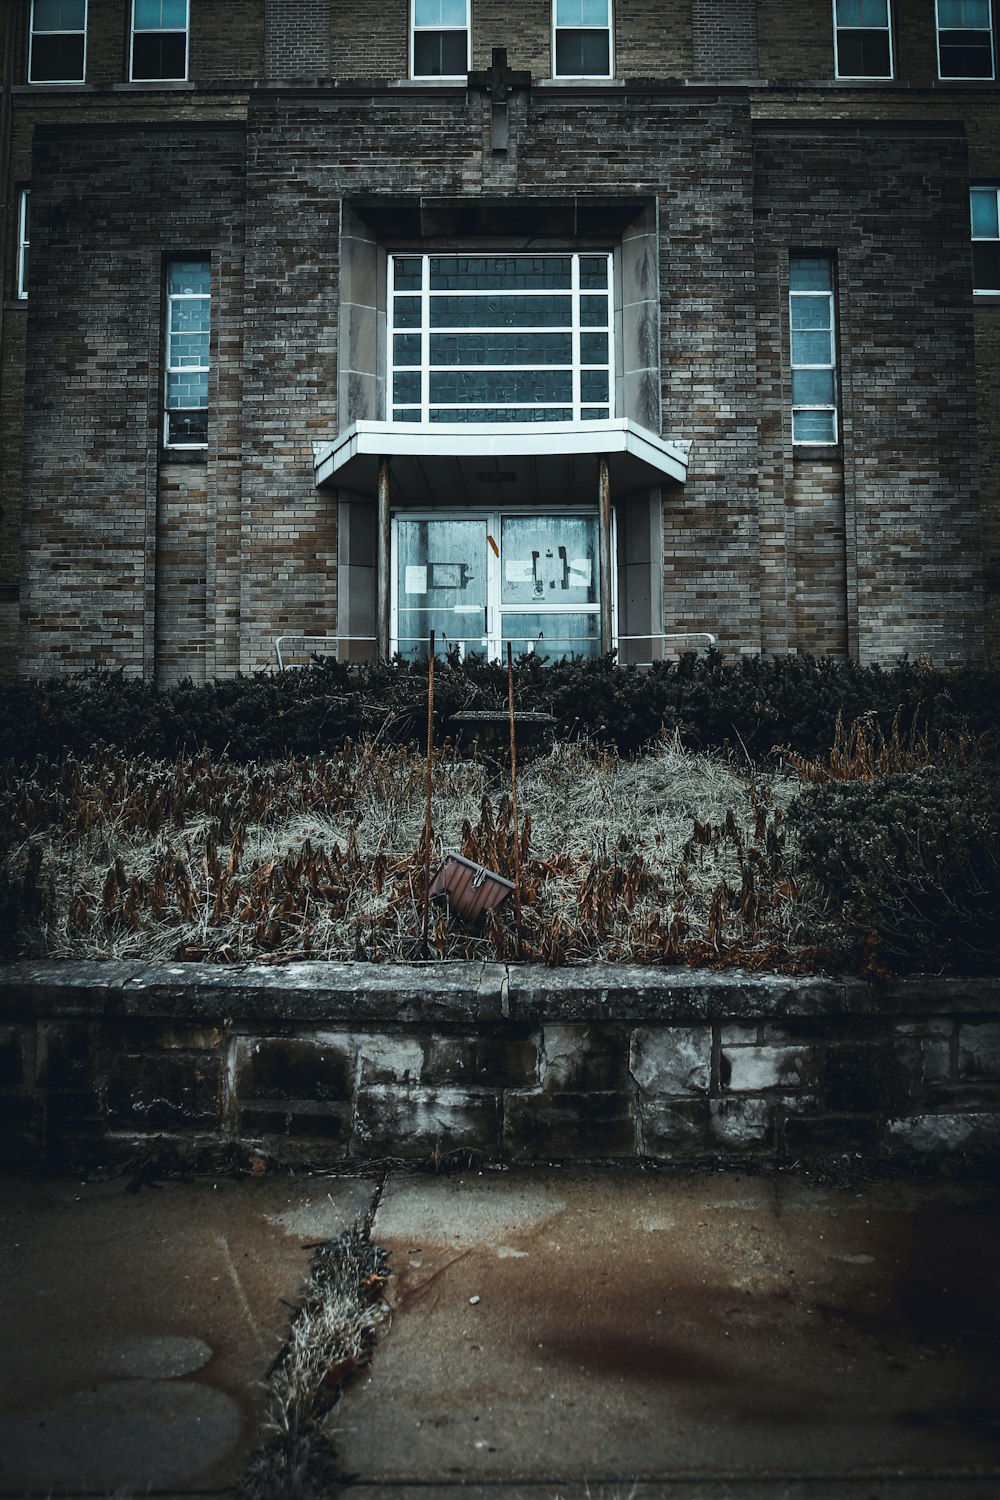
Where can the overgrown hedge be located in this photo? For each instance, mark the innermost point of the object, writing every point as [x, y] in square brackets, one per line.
[747, 706]
[909, 866]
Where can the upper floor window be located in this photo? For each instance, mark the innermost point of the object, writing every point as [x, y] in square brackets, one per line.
[440, 39]
[862, 38]
[965, 39]
[985, 204]
[814, 359]
[582, 43]
[187, 347]
[159, 40]
[500, 338]
[23, 241]
[57, 42]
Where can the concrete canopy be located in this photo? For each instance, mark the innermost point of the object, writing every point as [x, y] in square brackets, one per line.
[483, 463]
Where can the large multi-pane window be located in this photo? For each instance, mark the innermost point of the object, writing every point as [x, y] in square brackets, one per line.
[582, 41]
[500, 338]
[159, 40]
[57, 41]
[439, 39]
[187, 349]
[862, 38]
[23, 241]
[985, 205]
[965, 38]
[814, 360]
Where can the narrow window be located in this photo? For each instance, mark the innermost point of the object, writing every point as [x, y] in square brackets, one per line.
[862, 35]
[965, 39]
[186, 378]
[159, 40]
[814, 364]
[582, 38]
[57, 43]
[23, 234]
[985, 204]
[440, 42]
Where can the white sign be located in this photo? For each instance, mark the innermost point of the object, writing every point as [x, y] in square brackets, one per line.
[416, 579]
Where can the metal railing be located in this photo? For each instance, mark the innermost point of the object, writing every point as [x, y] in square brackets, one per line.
[287, 645]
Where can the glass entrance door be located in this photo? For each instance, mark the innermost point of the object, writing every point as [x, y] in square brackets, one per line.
[480, 580]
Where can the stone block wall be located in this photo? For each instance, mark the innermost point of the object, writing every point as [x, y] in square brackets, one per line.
[342, 1063]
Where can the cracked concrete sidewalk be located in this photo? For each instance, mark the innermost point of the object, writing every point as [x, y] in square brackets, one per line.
[554, 1331]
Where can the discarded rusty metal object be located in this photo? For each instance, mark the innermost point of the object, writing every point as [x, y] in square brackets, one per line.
[471, 888]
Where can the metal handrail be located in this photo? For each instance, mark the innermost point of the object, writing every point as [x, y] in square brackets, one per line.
[462, 641]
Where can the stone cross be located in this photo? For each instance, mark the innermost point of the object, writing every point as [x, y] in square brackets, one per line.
[499, 81]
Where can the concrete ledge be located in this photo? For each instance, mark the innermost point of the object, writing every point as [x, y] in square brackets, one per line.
[334, 1062]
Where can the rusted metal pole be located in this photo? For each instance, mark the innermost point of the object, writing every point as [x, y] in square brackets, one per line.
[427, 810]
[383, 561]
[604, 551]
[513, 796]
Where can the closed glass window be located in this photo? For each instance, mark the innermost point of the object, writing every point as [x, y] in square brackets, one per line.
[862, 35]
[813, 347]
[582, 42]
[57, 43]
[965, 39]
[500, 338]
[187, 351]
[23, 241]
[985, 206]
[440, 39]
[159, 40]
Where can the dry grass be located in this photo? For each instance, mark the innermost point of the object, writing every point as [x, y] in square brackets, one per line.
[672, 857]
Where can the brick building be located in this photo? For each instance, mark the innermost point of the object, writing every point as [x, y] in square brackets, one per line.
[574, 322]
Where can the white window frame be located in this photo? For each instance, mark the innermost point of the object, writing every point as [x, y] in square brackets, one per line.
[985, 239]
[159, 31]
[556, 29]
[963, 77]
[838, 28]
[168, 366]
[577, 403]
[829, 297]
[23, 242]
[415, 29]
[492, 641]
[74, 31]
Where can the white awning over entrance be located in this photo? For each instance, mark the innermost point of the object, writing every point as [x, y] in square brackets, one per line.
[459, 463]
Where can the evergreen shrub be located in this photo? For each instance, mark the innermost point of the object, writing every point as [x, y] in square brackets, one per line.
[909, 866]
[746, 706]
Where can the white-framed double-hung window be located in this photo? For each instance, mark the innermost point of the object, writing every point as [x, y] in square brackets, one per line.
[581, 41]
[23, 241]
[965, 38]
[813, 349]
[500, 337]
[862, 38]
[984, 203]
[159, 46]
[439, 38]
[185, 423]
[57, 41]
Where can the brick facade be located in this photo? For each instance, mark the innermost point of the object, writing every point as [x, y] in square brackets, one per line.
[722, 133]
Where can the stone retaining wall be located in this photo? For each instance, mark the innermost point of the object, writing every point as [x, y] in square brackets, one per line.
[338, 1062]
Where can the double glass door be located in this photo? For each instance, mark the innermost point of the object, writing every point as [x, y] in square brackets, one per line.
[481, 579]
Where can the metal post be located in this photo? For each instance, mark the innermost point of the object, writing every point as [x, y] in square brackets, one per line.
[604, 551]
[383, 561]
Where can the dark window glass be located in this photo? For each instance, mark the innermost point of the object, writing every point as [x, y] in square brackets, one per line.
[157, 54]
[440, 54]
[501, 349]
[583, 54]
[503, 312]
[986, 265]
[484, 273]
[531, 386]
[966, 54]
[187, 427]
[57, 59]
[863, 54]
